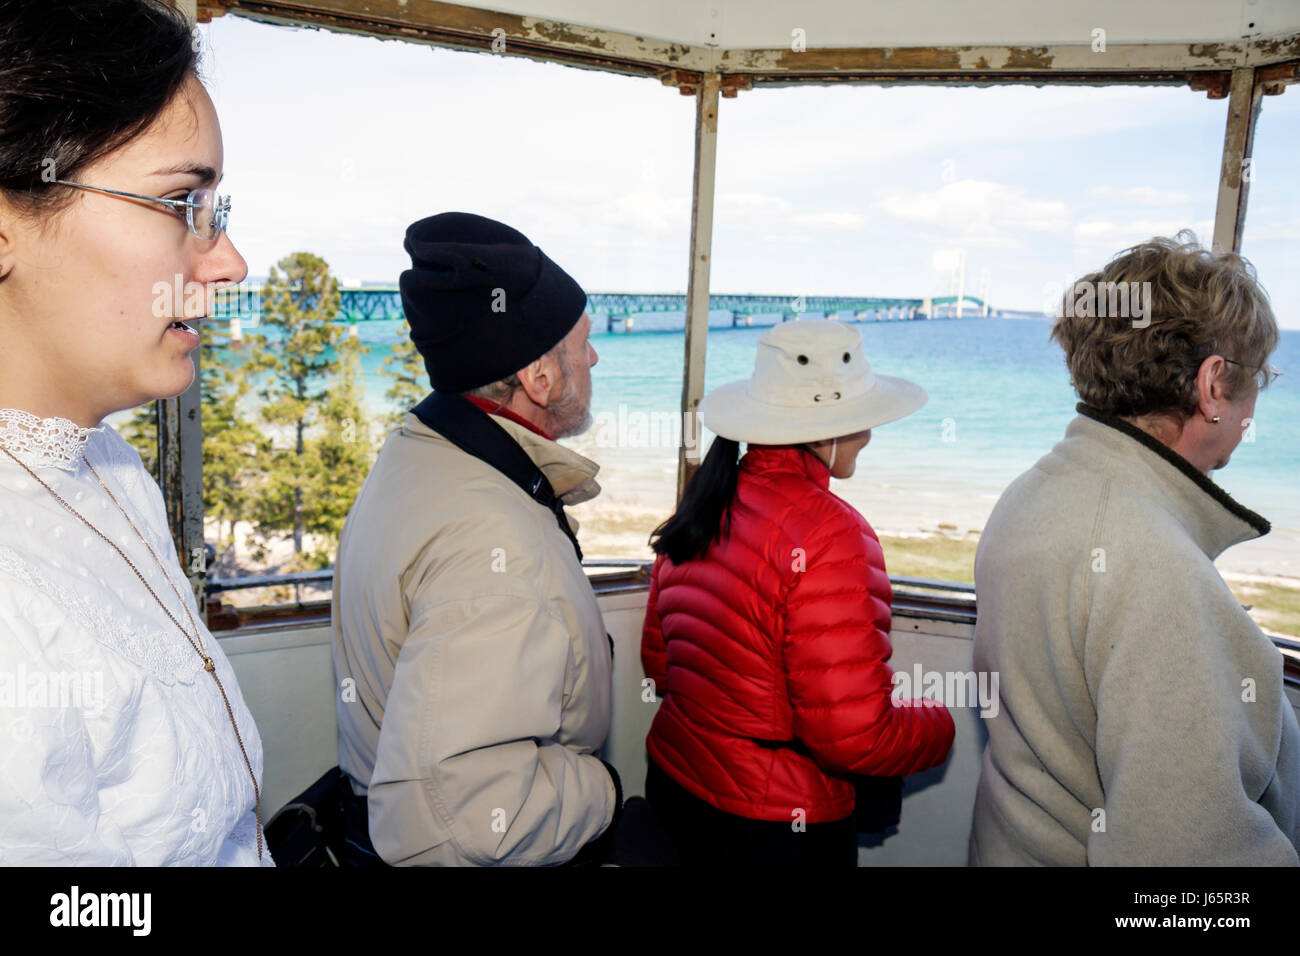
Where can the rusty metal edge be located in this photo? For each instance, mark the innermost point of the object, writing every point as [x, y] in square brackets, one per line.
[456, 26]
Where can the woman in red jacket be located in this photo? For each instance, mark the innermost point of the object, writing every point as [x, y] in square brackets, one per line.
[767, 625]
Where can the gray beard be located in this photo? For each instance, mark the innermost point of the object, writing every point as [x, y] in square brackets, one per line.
[568, 418]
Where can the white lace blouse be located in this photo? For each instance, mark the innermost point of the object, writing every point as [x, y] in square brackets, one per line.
[115, 745]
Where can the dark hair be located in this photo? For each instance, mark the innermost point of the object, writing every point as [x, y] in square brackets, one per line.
[79, 79]
[704, 513]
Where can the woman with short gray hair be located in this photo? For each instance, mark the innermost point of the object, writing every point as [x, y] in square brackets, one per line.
[1143, 719]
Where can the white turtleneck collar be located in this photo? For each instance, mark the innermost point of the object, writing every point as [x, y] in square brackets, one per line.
[44, 442]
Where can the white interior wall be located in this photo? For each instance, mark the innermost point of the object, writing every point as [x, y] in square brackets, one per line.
[287, 679]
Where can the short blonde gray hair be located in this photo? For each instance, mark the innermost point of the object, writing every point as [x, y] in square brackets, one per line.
[1200, 304]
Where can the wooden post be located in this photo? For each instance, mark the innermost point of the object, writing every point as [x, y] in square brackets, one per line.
[180, 467]
[1238, 140]
[697, 283]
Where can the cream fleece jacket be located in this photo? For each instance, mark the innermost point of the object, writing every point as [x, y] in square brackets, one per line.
[1142, 718]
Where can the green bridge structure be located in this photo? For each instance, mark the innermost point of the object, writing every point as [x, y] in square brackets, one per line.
[618, 311]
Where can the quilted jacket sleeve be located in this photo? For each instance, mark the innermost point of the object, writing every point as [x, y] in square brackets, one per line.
[836, 648]
[654, 652]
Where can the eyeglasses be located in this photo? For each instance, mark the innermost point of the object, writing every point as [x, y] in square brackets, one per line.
[205, 211]
[1263, 375]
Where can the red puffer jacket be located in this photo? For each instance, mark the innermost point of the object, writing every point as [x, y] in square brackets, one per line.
[780, 635]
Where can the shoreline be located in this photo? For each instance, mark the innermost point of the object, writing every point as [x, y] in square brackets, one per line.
[621, 536]
[943, 553]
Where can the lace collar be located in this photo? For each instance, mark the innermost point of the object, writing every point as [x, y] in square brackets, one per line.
[38, 442]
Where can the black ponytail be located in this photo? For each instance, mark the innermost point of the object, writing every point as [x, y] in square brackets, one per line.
[704, 512]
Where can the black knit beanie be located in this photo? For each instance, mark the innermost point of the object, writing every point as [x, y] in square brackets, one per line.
[482, 300]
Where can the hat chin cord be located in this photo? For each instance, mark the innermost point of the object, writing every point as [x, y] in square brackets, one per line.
[831, 463]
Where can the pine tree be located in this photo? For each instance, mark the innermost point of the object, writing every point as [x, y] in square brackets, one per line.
[340, 456]
[405, 366]
[307, 476]
[231, 440]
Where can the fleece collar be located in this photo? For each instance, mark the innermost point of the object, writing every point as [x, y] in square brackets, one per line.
[1214, 519]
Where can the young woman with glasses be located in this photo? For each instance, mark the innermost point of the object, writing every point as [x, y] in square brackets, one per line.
[124, 738]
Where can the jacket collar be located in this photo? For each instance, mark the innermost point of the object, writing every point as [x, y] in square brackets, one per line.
[1211, 516]
[572, 477]
[796, 459]
[496, 408]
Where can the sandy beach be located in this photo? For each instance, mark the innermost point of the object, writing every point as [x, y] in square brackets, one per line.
[926, 530]
[618, 523]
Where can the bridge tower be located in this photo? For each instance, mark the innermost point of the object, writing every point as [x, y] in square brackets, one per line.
[957, 283]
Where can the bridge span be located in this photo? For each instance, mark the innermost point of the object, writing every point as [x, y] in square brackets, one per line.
[619, 311]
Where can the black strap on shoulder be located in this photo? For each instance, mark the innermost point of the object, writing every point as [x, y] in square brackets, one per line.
[473, 431]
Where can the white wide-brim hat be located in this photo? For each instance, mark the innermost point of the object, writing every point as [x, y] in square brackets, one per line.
[811, 381]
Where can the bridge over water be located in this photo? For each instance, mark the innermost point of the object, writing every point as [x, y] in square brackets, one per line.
[618, 311]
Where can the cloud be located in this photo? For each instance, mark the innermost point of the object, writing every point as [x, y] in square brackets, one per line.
[759, 205]
[786, 238]
[774, 218]
[650, 213]
[1116, 236]
[830, 220]
[1141, 196]
[1271, 232]
[815, 134]
[978, 213]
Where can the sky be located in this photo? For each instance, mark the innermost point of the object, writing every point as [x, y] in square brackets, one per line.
[335, 143]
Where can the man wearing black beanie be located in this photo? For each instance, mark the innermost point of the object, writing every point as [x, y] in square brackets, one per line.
[480, 667]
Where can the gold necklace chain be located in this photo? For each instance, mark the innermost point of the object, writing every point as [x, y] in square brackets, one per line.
[200, 648]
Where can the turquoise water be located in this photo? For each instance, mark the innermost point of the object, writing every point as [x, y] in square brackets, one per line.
[1000, 384]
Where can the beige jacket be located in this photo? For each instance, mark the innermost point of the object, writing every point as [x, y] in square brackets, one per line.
[1142, 715]
[473, 663]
